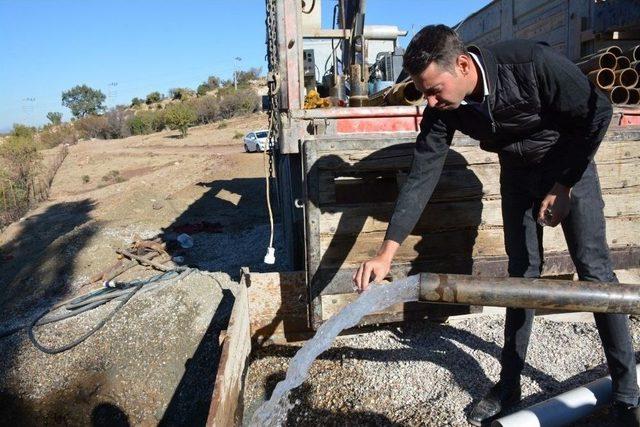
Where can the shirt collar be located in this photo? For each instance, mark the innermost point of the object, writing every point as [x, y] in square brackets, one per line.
[484, 77]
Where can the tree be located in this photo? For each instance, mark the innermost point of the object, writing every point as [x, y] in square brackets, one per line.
[83, 100]
[153, 97]
[135, 102]
[180, 116]
[213, 82]
[244, 77]
[203, 89]
[54, 117]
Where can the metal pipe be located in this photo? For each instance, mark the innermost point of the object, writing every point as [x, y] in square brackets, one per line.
[520, 292]
[634, 97]
[633, 53]
[603, 60]
[616, 50]
[622, 62]
[636, 66]
[626, 78]
[564, 409]
[404, 93]
[603, 78]
[618, 94]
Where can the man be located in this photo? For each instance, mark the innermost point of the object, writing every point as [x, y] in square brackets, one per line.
[545, 120]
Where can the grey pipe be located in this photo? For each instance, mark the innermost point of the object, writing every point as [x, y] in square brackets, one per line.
[596, 297]
[563, 409]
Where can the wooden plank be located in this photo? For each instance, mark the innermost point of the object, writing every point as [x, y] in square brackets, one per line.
[483, 180]
[278, 306]
[400, 156]
[312, 223]
[442, 216]
[347, 250]
[225, 403]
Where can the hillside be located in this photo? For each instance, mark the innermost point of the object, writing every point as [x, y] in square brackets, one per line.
[109, 191]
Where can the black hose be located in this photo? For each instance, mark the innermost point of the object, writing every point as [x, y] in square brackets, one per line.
[122, 292]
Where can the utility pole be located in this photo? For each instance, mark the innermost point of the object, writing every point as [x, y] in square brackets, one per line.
[235, 71]
[112, 92]
[27, 107]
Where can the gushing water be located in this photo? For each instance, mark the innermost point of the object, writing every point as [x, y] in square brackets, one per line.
[378, 297]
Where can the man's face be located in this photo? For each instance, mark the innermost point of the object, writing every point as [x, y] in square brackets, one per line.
[442, 89]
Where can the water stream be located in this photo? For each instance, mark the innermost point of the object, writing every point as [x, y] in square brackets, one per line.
[378, 297]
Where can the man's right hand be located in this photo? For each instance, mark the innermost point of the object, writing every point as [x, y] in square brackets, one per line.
[377, 268]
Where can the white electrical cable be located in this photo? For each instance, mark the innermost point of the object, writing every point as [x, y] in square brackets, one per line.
[270, 257]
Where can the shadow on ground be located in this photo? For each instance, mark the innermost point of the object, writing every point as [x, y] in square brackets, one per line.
[39, 261]
[229, 226]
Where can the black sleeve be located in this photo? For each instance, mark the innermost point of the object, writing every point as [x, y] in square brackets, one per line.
[429, 155]
[575, 106]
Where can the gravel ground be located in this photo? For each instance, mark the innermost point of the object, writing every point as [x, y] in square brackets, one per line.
[140, 368]
[427, 374]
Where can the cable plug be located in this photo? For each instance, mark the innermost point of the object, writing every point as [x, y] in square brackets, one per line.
[270, 257]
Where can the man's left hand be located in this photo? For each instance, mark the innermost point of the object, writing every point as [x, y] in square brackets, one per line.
[555, 206]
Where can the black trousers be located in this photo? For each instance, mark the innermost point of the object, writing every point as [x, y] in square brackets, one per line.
[523, 188]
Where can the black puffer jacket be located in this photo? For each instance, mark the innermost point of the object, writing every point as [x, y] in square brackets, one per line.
[538, 100]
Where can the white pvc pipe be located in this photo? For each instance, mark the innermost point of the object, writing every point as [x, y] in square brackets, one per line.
[563, 409]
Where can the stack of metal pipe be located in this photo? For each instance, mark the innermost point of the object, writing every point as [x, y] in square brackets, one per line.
[616, 72]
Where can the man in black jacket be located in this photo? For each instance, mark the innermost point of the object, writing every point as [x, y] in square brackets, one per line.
[545, 120]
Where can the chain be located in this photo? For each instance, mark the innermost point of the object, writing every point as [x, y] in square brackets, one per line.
[273, 80]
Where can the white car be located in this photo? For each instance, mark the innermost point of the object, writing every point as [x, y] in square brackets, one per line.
[256, 141]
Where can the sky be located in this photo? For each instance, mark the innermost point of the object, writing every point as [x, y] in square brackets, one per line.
[128, 48]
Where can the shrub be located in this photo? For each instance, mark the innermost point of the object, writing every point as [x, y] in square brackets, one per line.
[23, 131]
[145, 122]
[113, 176]
[238, 135]
[91, 126]
[54, 117]
[136, 102]
[153, 97]
[53, 136]
[240, 102]
[180, 117]
[222, 125]
[21, 157]
[207, 109]
[118, 124]
[85, 179]
[180, 93]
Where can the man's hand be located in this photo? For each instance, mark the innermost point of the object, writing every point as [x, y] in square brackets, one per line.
[555, 206]
[376, 268]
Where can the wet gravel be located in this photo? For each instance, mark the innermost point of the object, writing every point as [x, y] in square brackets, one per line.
[428, 374]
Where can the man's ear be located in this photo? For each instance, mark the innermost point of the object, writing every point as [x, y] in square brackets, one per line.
[463, 63]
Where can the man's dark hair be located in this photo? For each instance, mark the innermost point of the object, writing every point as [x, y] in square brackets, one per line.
[433, 43]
